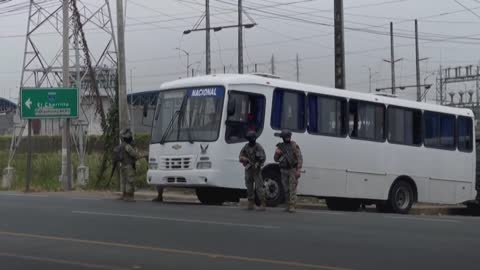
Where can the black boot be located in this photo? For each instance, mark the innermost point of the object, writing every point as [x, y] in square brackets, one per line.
[122, 197]
[159, 198]
[129, 198]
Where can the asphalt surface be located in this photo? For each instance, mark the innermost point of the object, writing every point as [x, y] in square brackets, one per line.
[61, 232]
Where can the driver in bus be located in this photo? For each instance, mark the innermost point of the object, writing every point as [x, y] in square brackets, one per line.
[251, 124]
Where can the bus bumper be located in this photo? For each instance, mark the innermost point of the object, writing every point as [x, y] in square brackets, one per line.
[182, 178]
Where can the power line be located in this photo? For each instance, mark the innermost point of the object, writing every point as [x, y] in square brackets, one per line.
[467, 8]
[400, 34]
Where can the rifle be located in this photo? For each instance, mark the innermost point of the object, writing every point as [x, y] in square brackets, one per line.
[250, 163]
[286, 155]
[255, 165]
[116, 158]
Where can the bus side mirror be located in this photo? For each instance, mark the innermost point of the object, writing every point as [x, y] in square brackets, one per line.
[231, 107]
[145, 110]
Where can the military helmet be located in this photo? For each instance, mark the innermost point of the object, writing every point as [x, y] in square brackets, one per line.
[285, 134]
[251, 135]
[126, 133]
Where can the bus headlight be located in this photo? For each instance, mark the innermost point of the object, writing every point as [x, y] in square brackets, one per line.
[204, 165]
[153, 166]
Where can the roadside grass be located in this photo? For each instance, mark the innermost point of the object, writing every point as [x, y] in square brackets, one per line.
[46, 169]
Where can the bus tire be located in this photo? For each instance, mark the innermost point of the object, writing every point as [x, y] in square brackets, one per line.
[343, 204]
[274, 193]
[401, 197]
[210, 196]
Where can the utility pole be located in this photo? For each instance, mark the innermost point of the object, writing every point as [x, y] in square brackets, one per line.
[208, 68]
[298, 69]
[477, 85]
[441, 85]
[66, 148]
[417, 56]
[369, 79]
[240, 37]
[339, 45]
[392, 60]
[122, 74]
[132, 124]
[82, 170]
[208, 28]
[417, 61]
[272, 64]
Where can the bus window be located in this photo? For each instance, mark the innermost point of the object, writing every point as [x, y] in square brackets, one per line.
[404, 126]
[439, 130]
[249, 114]
[367, 121]
[464, 133]
[327, 115]
[288, 110]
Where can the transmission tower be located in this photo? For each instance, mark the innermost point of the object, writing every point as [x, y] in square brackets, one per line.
[93, 66]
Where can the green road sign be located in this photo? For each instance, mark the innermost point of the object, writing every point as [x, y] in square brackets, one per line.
[40, 103]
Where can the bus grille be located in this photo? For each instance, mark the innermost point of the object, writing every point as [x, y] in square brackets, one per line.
[176, 163]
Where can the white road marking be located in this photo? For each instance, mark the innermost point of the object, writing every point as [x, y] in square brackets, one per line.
[177, 220]
[213, 256]
[24, 195]
[85, 198]
[424, 219]
[322, 212]
[59, 261]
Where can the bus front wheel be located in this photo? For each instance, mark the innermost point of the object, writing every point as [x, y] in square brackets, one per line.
[401, 197]
[274, 193]
[210, 196]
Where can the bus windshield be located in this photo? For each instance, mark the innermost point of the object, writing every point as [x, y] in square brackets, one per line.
[192, 114]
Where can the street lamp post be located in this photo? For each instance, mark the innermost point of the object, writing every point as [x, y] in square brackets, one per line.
[425, 83]
[188, 58]
[370, 77]
[216, 29]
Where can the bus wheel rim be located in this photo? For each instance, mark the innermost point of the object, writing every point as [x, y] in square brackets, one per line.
[272, 189]
[402, 198]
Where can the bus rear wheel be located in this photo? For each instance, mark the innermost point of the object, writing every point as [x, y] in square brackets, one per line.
[401, 197]
[343, 204]
[210, 196]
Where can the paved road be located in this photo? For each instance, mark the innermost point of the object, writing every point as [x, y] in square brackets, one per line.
[58, 232]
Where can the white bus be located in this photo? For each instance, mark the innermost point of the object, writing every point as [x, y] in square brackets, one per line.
[357, 148]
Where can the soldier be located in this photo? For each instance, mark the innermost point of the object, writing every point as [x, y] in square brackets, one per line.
[128, 157]
[159, 197]
[253, 157]
[290, 161]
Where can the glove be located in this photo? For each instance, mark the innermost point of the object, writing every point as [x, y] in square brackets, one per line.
[298, 173]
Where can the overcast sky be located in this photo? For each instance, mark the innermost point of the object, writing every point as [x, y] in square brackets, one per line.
[449, 36]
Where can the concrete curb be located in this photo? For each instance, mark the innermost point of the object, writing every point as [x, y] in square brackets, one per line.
[419, 209]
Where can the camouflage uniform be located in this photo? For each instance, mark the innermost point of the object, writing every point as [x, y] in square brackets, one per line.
[128, 157]
[253, 158]
[159, 197]
[288, 170]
